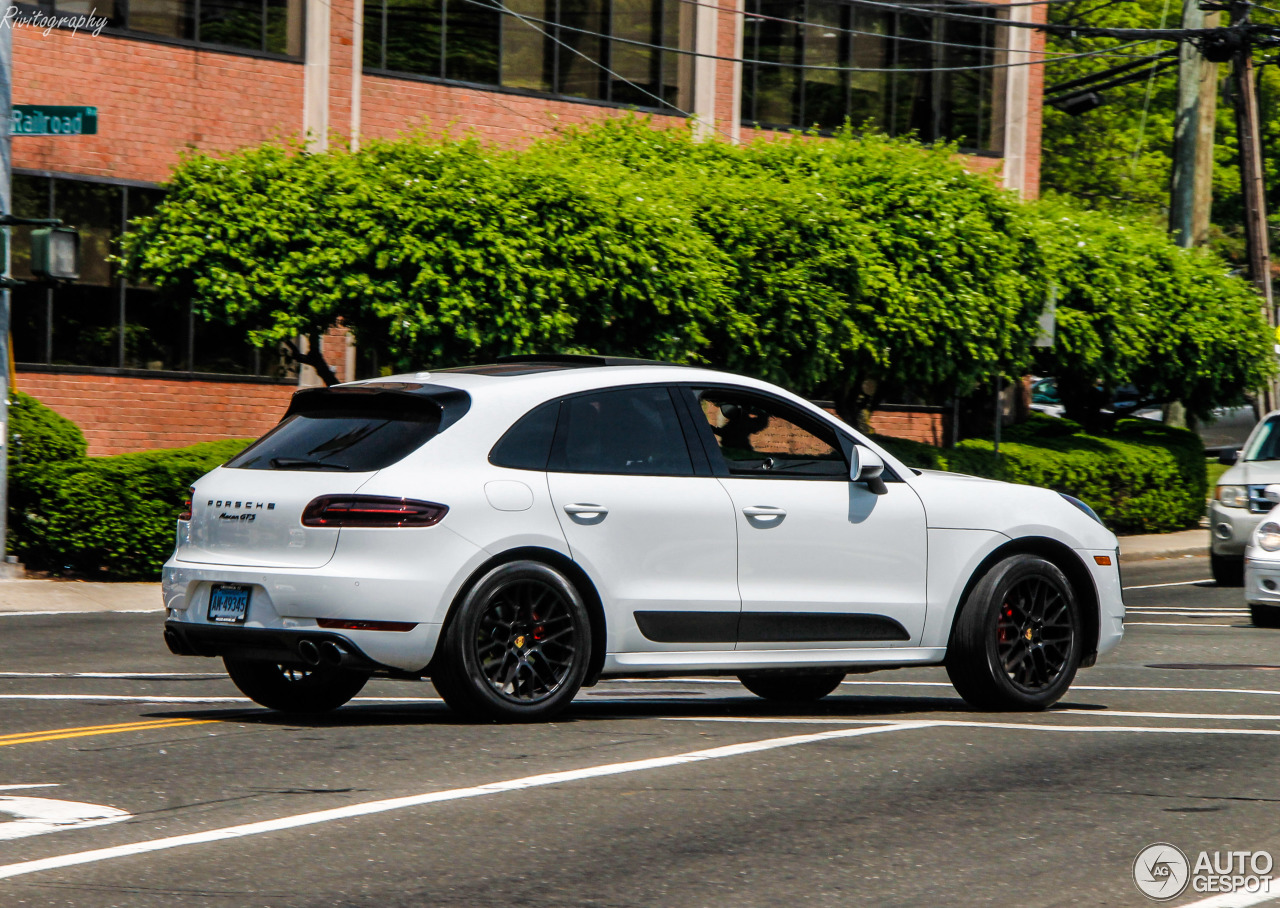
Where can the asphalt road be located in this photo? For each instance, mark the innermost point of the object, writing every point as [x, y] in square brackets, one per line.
[673, 793]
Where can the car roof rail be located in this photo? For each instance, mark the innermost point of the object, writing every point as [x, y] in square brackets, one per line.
[581, 360]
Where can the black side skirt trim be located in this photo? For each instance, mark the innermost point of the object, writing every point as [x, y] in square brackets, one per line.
[768, 627]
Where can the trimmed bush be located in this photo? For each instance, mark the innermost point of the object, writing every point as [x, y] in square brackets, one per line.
[1143, 478]
[109, 517]
[38, 435]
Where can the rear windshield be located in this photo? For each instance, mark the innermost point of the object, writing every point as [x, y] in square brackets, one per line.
[347, 432]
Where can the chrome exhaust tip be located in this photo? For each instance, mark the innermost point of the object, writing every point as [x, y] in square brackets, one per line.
[331, 653]
[308, 652]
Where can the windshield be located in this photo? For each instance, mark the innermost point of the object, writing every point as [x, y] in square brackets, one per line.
[1266, 443]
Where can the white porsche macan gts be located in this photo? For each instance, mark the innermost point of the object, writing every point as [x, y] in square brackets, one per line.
[517, 531]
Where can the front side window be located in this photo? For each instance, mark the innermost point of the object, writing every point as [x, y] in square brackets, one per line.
[634, 431]
[818, 63]
[760, 437]
[634, 52]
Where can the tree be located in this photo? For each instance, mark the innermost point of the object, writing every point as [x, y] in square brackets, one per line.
[846, 268]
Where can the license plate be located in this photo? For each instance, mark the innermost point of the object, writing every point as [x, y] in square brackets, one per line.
[228, 603]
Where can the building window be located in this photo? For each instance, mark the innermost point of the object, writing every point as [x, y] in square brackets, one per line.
[266, 26]
[101, 320]
[817, 63]
[617, 51]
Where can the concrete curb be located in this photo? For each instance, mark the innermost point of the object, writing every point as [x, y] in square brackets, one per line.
[1164, 545]
[70, 596]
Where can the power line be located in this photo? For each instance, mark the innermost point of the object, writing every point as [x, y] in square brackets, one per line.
[531, 20]
[992, 21]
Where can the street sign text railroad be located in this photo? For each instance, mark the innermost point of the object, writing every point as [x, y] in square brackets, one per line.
[48, 120]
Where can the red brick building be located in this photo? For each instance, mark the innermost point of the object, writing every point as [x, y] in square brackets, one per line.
[169, 76]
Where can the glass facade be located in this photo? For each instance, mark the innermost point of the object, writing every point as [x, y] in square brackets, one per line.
[267, 26]
[617, 51]
[102, 320]
[818, 63]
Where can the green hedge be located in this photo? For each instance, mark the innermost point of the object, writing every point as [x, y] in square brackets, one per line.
[108, 517]
[1143, 478]
[38, 435]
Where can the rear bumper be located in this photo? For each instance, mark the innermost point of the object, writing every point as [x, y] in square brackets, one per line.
[267, 645]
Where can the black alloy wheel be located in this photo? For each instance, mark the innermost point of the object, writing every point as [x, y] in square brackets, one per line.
[1035, 633]
[517, 649]
[1016, 643]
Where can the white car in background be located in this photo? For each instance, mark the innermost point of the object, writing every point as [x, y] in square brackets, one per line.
[516, 531]
[1239, 505]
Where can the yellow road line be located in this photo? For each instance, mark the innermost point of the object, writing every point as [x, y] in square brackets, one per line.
[57, 734]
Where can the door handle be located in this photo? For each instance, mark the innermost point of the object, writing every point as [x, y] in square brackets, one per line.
[583, 510]
[764, 510]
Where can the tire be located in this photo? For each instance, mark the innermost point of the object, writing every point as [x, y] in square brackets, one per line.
[292, 689]
[518, 646]
[1016, 641]
[1264, 615]
[1226, 570]
[792, 687]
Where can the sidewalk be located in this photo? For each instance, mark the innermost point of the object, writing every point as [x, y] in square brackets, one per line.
[1164, 545]
[54, 596]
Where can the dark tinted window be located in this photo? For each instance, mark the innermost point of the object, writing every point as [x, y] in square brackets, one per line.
[346, 431]
[527, 444]
[630, 431]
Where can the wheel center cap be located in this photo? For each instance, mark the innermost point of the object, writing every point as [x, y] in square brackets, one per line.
[1029, 634]
[520, 642]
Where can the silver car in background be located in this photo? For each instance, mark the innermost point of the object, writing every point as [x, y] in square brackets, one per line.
[1238, 503]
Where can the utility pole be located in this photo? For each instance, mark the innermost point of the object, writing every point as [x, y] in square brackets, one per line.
[1193, 135]
[1251, 174]
[6, 198]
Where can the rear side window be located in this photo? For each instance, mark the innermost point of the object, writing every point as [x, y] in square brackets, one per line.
[527, 444]
[345, 431]
[630, 431]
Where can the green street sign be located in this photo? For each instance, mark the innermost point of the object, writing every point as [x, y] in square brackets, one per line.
[49, 120]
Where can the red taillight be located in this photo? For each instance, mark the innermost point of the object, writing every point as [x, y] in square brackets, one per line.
[346, 624]
[186, 504]
[371, 511]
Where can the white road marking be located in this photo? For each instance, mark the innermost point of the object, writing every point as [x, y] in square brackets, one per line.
[1170, 624]
[947, 685]
[37, 816]
[383, 806]
[85, 611]
[1154, 586]
[162, 698]
[1234, 900]
[977, 723]
[1217, 717]
[132, 676]
[1168, 610]
[1175, 690]
[37, 785]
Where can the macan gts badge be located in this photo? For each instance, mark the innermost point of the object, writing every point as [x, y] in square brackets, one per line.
[517, 531]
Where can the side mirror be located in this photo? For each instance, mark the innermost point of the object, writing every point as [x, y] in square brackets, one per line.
[1272, 493]
[867, 466]
[1229, 456]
